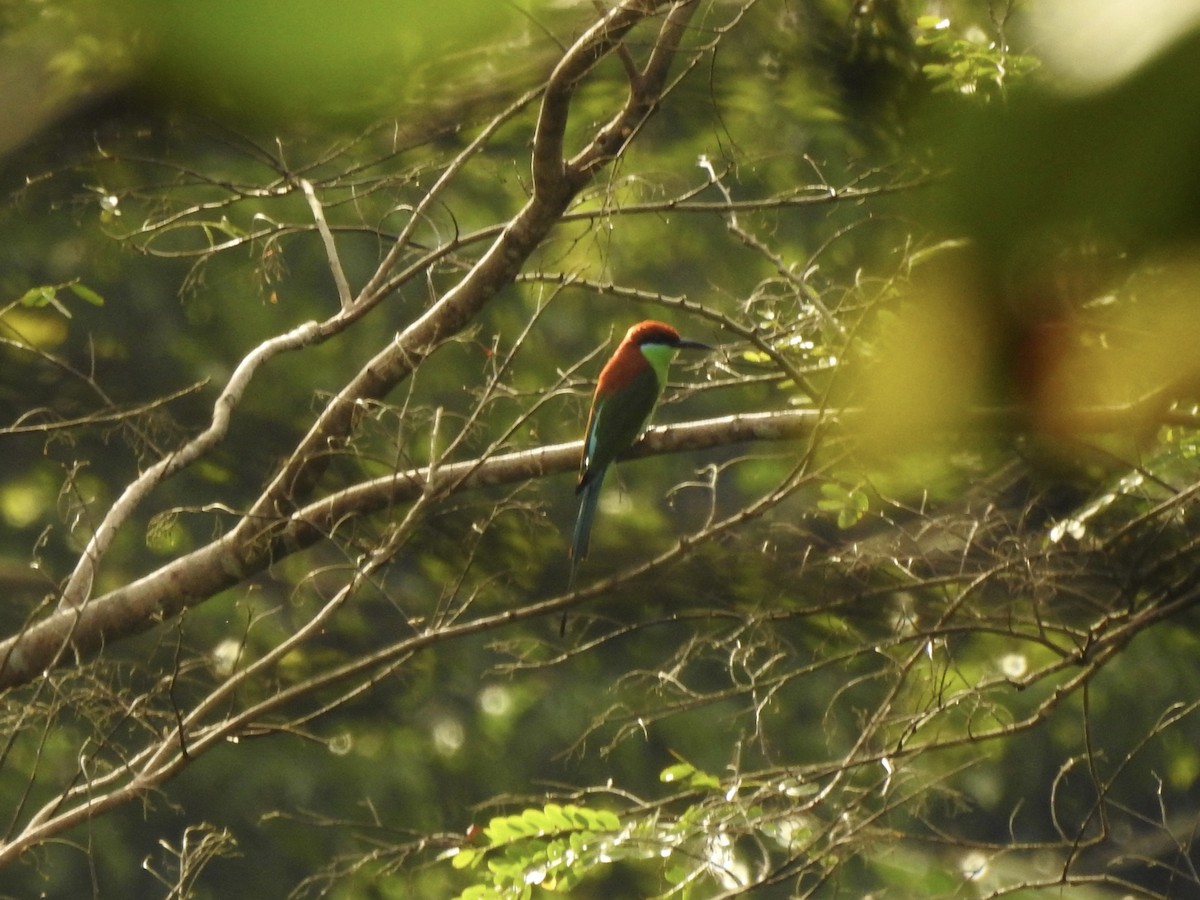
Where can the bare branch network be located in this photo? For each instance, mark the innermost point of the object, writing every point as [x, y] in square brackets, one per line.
[946, 630]
[288, 514]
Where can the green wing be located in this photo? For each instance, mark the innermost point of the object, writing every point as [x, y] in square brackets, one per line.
[617, 421]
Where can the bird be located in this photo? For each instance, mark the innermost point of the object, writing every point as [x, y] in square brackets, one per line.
[626, 393]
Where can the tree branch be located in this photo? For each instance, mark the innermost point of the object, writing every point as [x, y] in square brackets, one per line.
[331, 252]
[497, 267]
[229, 560]
[191, 579]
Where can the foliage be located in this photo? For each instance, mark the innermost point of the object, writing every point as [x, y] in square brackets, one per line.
[898, 599]
[967, 63]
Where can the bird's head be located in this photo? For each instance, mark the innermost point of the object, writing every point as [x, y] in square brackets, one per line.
[658, 343]
[659, 334]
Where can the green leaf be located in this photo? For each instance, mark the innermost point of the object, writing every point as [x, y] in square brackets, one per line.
[677, 772]
[47, 295]
[607, 821]
[538, 821]
[849, 504]
[499, 830]
[690, 775]
[86, 294]
[834, 497]
[677, 874]
[576, 816]
[480, 892]
[39, 296]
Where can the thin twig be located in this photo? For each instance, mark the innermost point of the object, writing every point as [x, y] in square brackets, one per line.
[331, 254]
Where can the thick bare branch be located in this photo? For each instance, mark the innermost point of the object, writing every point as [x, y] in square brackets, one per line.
[79, 585]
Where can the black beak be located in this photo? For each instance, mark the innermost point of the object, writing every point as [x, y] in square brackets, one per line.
[685, 344]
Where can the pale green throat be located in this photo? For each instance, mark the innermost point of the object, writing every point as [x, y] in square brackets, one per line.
[659, 356]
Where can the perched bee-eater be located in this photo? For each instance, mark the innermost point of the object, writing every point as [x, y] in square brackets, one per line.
[626, 392]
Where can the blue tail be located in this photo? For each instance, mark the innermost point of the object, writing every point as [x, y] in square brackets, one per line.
[590, 493]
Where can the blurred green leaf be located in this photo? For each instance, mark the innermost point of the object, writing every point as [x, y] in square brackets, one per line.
[85, 293]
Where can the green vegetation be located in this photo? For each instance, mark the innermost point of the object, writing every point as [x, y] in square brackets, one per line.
[301, 309]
